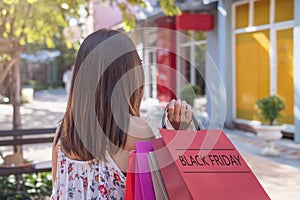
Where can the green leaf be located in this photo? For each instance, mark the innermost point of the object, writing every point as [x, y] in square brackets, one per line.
[4, 12]
[10, 2]
[167, 6]
[31, 1]
[49, 43]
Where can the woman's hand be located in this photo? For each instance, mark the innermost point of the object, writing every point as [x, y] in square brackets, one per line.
[179, 114]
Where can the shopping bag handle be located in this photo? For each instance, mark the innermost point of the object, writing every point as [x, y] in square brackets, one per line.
[198, 125]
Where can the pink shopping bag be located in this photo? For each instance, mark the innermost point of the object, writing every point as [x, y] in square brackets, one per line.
[143, 179]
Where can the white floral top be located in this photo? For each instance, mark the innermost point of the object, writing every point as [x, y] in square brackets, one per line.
[87, 179]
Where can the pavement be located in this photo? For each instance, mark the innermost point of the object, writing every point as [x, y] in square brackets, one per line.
[44, 111]
[280, 175]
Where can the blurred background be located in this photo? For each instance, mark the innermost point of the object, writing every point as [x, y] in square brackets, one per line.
[252, 43]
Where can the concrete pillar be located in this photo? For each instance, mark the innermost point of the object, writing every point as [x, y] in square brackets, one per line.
[225, 54]
[219, 57]
[210, 62]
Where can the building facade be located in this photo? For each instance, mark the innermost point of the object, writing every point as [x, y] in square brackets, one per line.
[257, 41]
[252, 43]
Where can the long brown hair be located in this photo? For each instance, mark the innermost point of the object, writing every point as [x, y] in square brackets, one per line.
[114, 123]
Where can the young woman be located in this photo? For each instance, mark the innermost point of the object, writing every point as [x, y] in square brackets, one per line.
[89, 162]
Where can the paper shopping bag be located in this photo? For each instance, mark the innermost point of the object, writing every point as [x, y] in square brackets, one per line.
[210, 166]
[173, 180]
[130, 176]
[143, 179]
[139, 183]
[158, 183]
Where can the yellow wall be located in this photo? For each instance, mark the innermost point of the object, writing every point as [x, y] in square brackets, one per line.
[252, 71]
[284, 10]
[242, 13]
[285, 72]
[253, 58]
[262, 12]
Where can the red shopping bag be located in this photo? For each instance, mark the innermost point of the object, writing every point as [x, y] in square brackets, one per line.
[173, 181]
[200, 164]
[130, 177]
[209, 165]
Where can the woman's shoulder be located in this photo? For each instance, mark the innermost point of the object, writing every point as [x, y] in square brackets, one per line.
[138, 130]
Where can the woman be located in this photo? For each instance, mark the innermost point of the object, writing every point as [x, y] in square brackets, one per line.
[102, 123]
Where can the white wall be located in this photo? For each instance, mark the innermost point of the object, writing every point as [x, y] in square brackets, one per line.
[297, 70]
[225, 55]
[219, 56]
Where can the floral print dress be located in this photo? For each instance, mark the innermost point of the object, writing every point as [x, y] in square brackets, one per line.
[87, 179]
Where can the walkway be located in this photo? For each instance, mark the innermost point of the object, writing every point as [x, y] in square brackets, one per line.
[45, 111]
[280, 176]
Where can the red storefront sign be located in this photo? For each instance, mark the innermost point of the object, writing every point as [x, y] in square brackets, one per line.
[190, 21]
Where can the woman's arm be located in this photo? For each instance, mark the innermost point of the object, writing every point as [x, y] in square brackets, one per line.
[54, 156]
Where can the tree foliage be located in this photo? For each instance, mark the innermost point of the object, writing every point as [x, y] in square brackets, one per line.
[29, 21]
[126, 7]
[24, 22]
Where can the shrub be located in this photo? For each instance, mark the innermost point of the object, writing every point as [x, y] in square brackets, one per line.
[269, 108]
[26, 186]
[4, 99]
[189, 93]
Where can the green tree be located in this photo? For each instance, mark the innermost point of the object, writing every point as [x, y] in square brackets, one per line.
[23, 22]
[29, 21]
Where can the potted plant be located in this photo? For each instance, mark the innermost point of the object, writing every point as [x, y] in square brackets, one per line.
[268, 109]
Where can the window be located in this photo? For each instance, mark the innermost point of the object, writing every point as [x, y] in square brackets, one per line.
[263, 27]
[192, 60]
